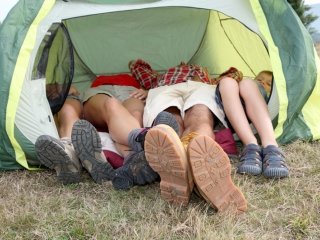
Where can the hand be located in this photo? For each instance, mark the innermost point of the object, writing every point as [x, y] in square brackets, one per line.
[139, 94]
[73, 91]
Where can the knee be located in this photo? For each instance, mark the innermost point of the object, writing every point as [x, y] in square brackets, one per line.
[227, 84]
[247, 86]
[69, 112]
[110, 104]
[198, 114]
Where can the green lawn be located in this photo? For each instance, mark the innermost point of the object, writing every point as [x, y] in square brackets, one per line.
[34, 205]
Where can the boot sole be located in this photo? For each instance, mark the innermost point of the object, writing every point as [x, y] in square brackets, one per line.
[211, 171]
[87, 145]
[167, 157]
[51, 153]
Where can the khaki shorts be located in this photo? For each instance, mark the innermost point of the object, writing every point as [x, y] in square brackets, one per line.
[119, 92]
[183, 96]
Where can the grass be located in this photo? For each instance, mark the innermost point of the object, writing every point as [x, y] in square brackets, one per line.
[34, 205]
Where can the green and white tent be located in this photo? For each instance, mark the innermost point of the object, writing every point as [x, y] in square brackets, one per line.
[54, 42]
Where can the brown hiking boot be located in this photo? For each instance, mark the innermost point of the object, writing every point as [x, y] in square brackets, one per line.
[167, 156]
[211, 171]
[60, 156]
[185, 140]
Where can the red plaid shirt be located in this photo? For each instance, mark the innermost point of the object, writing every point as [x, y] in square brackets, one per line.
[148, 78]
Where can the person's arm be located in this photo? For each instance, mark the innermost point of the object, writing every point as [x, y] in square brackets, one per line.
[145, 75]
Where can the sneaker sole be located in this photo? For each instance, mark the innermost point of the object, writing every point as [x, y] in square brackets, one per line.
[211, 171]
[51, 153]
[167, 157]
[87, 145]
[249, 170]
[276, 173]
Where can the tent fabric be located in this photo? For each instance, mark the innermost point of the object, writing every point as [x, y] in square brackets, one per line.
[294, 54]
[251, 35]
[229, 43]
[178, 30]
[13, 61]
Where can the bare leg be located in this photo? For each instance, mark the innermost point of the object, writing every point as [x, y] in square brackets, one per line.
[67, 116]
[107, 112]
[122, 149]
[199, 114]
[257, 111]
[234, 110]
[135, 108]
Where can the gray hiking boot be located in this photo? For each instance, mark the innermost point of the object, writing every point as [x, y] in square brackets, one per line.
[60, 156]
[136, 170]
[136, 138]
[87, 145]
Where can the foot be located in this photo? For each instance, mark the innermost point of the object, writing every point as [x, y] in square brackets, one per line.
[135, 171]
[136, 142]
[87, 144]
[274, 165]
[250, 160]
[167, 119]
[211, 172]
[167, 156]
[53, 154]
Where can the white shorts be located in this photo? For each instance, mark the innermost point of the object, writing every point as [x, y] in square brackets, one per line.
[183, 96]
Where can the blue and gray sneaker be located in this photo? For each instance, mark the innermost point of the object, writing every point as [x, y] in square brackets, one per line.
[274, 165]
[250, 160]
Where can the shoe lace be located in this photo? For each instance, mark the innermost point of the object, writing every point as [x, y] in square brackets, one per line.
[274, 156]
[141, 137]
[187, 138]
[66, 141]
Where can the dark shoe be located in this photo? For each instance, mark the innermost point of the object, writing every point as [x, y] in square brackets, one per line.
[137, 142]
[135, 171]
[250, 160]
[167, 119]
[53, 154]
[211, 170]
[167, 156]
[87, 144]
[274, 165]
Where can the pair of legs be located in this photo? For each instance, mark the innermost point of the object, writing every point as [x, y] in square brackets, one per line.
[123, 120]
[193, 116]
[118, 118]
[79, 146]
[255, 109]
[195, 158]
[269, 160]
[77, 136]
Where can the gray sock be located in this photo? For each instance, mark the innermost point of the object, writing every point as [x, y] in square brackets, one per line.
[132, 140]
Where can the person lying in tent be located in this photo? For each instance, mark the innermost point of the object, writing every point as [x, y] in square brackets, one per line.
[264, 79]
[243, 99]
[80, 140]
[186, 91]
